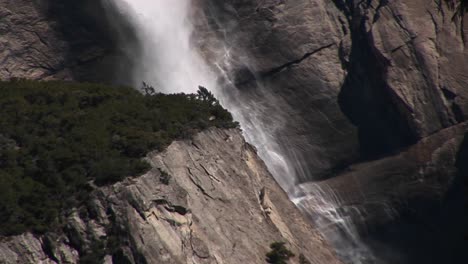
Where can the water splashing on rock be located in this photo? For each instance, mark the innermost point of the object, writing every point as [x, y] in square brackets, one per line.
[169, 57]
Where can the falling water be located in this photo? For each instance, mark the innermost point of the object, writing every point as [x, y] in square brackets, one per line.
[166, 59]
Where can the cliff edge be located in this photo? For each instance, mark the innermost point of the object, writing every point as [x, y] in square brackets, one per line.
[207, 200]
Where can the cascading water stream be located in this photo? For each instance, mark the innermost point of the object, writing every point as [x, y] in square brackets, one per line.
[169, 62]
[167, 59]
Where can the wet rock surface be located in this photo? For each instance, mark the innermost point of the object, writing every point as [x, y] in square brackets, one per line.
[370, 94]
[353, 79]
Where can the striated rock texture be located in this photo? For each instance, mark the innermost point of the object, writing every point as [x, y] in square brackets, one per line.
[355, 79]
[219, 204]
[414, 59]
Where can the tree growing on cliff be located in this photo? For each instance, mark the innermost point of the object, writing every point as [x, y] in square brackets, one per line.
[205, 95]
[279, 254]
[148, 89]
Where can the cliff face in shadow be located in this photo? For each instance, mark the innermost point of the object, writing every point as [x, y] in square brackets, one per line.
[65, 40]
[219, 204]
[409, 207]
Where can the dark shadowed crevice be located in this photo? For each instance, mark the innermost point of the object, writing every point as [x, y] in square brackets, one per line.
[462, 159]
[250, 77]
[48, 248]
[456, 109]
[429, 230]
[462, 166]
[365, 98]
[93, 51]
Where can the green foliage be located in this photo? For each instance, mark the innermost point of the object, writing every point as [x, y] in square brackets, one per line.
[279, 254]
[56, 138]
[207, 96]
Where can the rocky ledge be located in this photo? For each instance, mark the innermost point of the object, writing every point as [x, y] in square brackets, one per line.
[404, 205]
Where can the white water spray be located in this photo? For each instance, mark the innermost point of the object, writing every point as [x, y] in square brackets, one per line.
[167, 60]
[165, 57]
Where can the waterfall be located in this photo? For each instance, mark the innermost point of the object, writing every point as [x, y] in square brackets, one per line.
[167, 59]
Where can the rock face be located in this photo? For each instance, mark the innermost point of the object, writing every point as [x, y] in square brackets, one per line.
[356, 79]
[418, 55]
[405, 205]
[215, 202]
[288, 50]
[50, 39]
[378, 84]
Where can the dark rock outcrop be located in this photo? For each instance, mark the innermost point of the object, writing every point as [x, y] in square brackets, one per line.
[407, 204]
[220, 205]
[52, 39]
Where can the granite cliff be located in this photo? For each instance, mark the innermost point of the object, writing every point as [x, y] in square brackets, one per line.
[219, 204]
[374, 99]
[358, 79]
